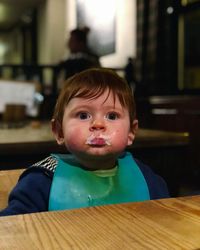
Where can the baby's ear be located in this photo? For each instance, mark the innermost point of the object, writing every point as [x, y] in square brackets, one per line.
[56, 128]
[132, 133]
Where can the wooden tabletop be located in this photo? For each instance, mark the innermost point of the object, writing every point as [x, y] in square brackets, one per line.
[159, 224]
[41, 138]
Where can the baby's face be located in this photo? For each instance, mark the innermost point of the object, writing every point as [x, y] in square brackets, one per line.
[96, 128]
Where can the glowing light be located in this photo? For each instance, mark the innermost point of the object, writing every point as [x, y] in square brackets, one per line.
[170, 10]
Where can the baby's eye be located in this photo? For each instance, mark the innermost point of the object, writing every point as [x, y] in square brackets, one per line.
[84, 116]
[112, 116]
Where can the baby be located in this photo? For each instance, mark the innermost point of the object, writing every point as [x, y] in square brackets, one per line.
[95, 119]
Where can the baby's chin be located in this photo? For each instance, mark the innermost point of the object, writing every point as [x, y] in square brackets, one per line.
[95, 151]
[98, 154]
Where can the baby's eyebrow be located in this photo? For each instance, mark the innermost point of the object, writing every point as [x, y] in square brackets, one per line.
[82, 107]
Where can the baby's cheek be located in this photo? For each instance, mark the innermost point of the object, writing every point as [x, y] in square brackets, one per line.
[120, 140]
[74, 140]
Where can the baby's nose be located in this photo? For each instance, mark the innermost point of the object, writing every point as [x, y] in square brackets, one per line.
[97, 125]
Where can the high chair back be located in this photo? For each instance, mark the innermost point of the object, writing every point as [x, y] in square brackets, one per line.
[8, 179]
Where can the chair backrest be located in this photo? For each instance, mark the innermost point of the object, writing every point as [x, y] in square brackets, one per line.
[8, 179]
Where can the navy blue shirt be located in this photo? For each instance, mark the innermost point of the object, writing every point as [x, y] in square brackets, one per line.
[31, 194]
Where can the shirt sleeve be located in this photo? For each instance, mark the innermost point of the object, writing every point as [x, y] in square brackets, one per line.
[30, 195]
[157, 186]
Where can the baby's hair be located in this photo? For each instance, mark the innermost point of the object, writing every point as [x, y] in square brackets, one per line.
[91, 84]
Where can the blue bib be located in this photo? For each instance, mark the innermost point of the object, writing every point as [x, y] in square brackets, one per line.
[73, 187]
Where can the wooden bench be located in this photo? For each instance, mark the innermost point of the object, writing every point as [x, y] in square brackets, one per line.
[8, 179]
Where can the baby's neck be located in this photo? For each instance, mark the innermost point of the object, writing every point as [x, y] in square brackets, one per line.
[97, 164]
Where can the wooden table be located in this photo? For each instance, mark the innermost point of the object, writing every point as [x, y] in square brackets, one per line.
[160, 224]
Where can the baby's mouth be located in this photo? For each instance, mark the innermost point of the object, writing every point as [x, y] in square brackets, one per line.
[98, 141]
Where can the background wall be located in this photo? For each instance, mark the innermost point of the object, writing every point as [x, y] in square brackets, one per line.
[125, 35]
[51, 31]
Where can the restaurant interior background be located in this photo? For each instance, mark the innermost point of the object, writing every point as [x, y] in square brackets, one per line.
[161, 37]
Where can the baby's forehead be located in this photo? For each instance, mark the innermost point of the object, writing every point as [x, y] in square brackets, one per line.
[108, 100]
[105, 97]
[90, 94]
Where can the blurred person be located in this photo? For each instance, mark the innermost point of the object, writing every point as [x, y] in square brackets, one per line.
[80, 57]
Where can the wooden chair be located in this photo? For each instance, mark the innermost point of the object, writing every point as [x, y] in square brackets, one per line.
[8, 179]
